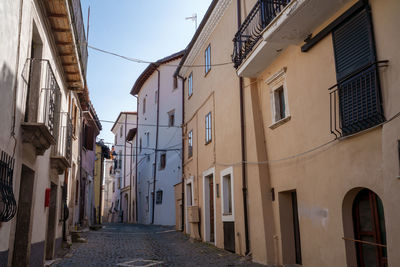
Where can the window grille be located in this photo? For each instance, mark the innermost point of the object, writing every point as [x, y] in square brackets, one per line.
[8, 205]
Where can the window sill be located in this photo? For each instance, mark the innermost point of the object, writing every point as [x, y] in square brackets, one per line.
[205, 74]
[209, 142]
[280, 122]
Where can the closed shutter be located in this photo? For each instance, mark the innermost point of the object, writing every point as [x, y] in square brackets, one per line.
[357, 76]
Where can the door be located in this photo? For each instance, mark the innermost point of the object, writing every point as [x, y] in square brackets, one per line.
[22, 243]
[211, 190]
[229, 236]
[369, 230]
[51, 222]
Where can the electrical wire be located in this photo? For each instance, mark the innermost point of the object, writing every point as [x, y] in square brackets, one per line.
[136, 60]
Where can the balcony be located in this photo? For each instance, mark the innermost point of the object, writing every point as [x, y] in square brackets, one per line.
[355, 102]
[42, 103]
[67, 27]
[61, 152]
[273, 25]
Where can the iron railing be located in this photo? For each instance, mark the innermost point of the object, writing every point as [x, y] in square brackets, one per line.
[39, 76]
[355, 102]
[79, 30]
[250, 31]
[8, 205]
[63, 148]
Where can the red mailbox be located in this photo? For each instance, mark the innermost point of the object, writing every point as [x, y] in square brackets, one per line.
[47, 197]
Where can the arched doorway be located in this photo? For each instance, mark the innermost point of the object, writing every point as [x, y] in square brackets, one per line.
[369, 229]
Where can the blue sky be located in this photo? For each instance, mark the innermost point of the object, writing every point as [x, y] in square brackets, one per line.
[145, 29]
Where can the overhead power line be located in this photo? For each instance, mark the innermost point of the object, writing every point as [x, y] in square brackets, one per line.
[137, 60]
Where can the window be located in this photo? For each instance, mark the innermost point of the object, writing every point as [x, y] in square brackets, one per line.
[227, 193]
[144, 105]
[88, 137]
[190, 144]
[147, 138]
[190, 84]
[140, 144]
[159, 194]
[171, 118]
[156, 96]
[207, 56]
[120, 159]
[357, 75]
[148, 157]
[74, 119]
[119, 182]
[113, 188]
[163, 160]
[175, 81]
[121, 130]
[279, 99]
[208, 128]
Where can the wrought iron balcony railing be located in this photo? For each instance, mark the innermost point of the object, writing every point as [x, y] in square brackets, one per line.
[42, 94]
[63, 148]
[8, 205]
[250, 31]
[355, 102]
[79, 29]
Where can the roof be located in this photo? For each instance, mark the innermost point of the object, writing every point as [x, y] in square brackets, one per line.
[119, 116]
[196, 35]
[151, 69]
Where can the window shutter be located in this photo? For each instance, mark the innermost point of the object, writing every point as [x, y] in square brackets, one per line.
[353, 45]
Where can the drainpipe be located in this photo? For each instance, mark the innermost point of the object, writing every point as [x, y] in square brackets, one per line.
[156, 148]
[136, 158]
[243, 143]
[183, 153]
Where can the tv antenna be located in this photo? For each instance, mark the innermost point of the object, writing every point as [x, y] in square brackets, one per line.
[193, 18]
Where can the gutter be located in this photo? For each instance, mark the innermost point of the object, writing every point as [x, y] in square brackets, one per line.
[183, 153]
[243, 144]
[156, 148]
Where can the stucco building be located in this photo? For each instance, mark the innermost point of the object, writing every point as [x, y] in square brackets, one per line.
[159, 138]
[44, 92]
[305, 133]
[124, 171]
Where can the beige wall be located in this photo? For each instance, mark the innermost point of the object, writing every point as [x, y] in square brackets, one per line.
[324, 177]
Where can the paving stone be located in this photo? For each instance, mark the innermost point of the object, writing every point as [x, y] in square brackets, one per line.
[146, 245]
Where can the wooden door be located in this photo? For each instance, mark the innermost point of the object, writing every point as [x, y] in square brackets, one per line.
[369, 226]
[211, 190]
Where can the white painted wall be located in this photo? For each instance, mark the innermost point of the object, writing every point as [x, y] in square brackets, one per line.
[169, 138]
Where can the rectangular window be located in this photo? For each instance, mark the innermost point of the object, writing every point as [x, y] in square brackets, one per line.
[171, 118]
[207, 57]
[120, 159]
[175, 81]
[140, 144]
[190, 144]
[159, 195]
[208, 128]
[121, 130]
[88, 137]
[227, 193]
[147, 139]
[144, 105]
[358, 89]
[279, 97]
[163, 160]
[190, 84]
[156, 96]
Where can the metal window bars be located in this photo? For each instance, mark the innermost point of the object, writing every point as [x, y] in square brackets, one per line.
[355, 102]
[49, 92]
[252, 27]
[63, 136]
[8, 205]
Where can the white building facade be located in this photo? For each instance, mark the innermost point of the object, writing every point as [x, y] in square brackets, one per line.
[159, 141]
[124, 172]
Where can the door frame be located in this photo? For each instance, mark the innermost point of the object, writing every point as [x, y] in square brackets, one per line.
[206, 206]
[188, 182]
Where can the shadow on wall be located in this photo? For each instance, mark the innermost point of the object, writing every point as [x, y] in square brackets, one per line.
[6, 101]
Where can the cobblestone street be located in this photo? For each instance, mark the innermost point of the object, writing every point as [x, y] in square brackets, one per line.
[139, 245]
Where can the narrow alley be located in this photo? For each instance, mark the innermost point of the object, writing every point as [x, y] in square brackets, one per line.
[144, 245]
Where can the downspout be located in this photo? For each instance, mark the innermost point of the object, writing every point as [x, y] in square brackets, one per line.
[156, 148]
[183, 153]
[243, 144]
[136, 158]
